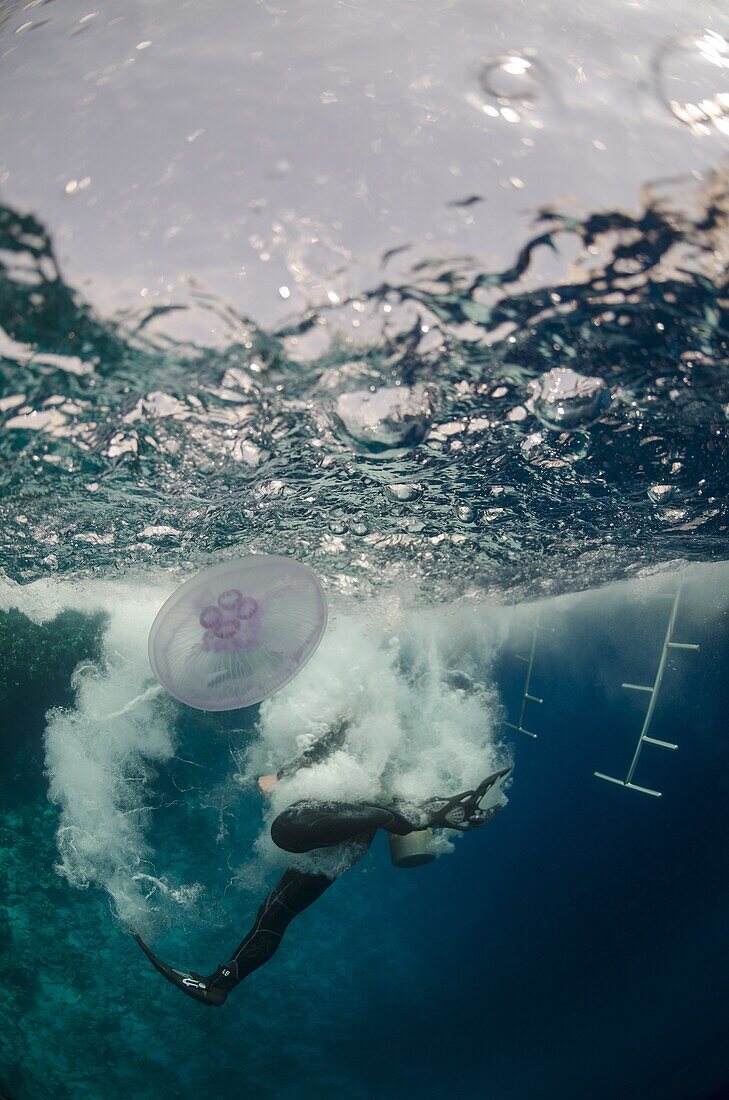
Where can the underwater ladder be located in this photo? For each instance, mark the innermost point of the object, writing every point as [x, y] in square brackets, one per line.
[644, 739]
[526, 696]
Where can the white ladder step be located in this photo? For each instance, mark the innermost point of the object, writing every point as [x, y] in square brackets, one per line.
[630, 786]
[519, 729]
[655, 741]
[643, 738]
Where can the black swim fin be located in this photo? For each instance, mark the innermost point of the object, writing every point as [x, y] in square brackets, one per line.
[463, 811]
[194, 985]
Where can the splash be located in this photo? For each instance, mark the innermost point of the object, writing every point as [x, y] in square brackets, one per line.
[102, 754]
[413, 734]
[111, 758]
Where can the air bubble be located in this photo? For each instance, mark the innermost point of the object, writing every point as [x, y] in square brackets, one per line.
[509, 80]
[555, 451]
[563, 399]
[387, 419]
[404, 491]
[659, 494]
[672, 515]
[691, 77]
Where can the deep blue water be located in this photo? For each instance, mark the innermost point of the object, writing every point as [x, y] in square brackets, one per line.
[575, 947]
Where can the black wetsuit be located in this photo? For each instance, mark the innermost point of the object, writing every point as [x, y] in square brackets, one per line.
[300, 828]
[310, 824]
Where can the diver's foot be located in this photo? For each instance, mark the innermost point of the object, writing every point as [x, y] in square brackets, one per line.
[194, 985]
[463, 811]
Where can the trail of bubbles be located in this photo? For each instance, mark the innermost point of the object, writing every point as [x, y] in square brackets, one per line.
[417, 686]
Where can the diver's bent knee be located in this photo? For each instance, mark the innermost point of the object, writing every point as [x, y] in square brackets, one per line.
[287, 833]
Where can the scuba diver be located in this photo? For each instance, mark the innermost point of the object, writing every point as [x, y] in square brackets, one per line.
[307, 825]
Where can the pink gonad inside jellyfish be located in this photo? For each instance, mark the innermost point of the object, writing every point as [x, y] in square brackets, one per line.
[233, 623]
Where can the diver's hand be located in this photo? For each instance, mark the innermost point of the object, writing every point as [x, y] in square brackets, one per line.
[266, 783]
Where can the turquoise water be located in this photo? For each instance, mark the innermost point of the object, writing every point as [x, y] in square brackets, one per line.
[438, 307]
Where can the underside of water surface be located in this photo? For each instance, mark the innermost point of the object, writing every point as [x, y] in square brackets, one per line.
[433, 299]
[391, 432]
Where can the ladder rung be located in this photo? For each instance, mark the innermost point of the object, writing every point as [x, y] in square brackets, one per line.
[643, 790]
[520, 658]
[532, 698]
[610, 778]
[519, 729]
[653, 692]
[630, 786]
[655, 741]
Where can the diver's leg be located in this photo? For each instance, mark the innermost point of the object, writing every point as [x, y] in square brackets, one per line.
[307, 825]
[295, 891]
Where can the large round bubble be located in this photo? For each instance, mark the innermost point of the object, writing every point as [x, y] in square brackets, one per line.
[236, 633]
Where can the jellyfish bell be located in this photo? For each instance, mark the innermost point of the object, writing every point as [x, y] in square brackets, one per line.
[236, 633]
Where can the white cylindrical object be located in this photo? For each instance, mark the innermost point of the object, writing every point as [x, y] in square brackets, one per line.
[413, 849]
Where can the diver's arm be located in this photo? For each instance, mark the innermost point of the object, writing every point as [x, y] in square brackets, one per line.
[454, 678]
[323, 747]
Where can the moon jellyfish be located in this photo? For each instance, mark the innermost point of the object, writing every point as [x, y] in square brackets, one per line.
[236, 633]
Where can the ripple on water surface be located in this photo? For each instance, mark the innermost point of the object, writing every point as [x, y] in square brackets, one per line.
[691, 76]
[453, 425]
